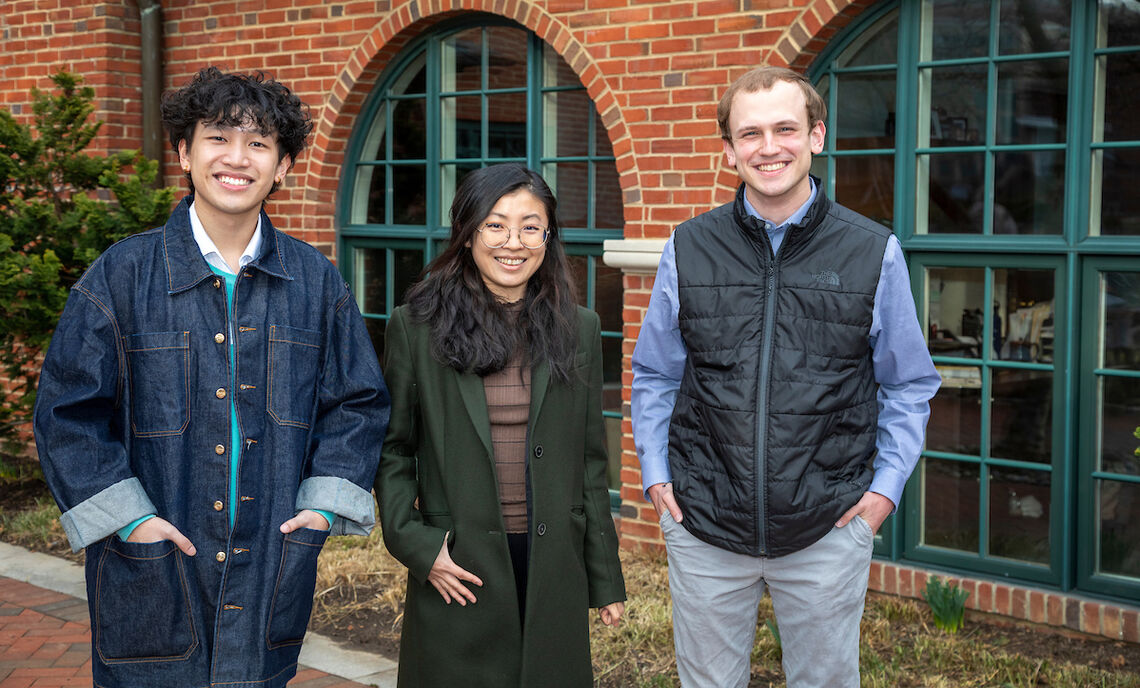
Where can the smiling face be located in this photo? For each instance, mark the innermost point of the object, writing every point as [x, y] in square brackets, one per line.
[233, 170]
[506, 270]
[771, 148]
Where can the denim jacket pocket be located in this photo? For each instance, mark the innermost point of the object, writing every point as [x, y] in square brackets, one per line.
[294, 361]
[142, 604]
[293, 593]
[159, 364]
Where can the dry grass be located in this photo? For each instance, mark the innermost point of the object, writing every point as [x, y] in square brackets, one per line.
[358, 580]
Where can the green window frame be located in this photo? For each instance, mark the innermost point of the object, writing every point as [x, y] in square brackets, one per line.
[473, 91]
[997, 148]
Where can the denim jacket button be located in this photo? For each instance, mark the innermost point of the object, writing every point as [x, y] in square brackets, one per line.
[218, 506]
[220, 556]
[219, 338]
[217, 283]
[221, 393]
[219, 449]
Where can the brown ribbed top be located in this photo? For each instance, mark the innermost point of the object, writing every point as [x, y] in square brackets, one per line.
[508, 407]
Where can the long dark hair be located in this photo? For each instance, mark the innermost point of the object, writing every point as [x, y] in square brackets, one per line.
[472, 331]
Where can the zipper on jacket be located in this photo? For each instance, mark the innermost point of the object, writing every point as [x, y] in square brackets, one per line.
[762, 405]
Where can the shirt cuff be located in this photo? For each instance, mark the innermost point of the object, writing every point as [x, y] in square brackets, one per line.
[105, 512]
[344, 498]
[890, 484]
[125, 531]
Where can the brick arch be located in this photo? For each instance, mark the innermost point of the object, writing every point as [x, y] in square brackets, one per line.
[362, 71]
[807, 36]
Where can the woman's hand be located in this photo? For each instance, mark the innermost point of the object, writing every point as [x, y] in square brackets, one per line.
[447, 576]
[611, 613]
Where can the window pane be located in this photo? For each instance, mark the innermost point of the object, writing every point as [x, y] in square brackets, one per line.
[369, 195]
[1120, 301]
[1118, 513]
[1121, 23]
[462, 61]
[1119, 203]
[611, 373]
[506, 57]
[555, 71]
[955, 194]
[956, 412]
[567, 120]
[580, 271]
[1023, 330]
[1032, 101]
[413, 80]
[1021, 420]
[461, 127]
[958, 105]
[608, 212]
[866, 184]
[449, 178]
[568, 181]
[1029, 192]
[878, 45]
[602, 145]
[375, 145]
[409, 140]
[1119, 417]
[506, 126]
[376, 327]
[608, 296]
[961, 28]
[370, 283]
[1122, 82]
[865, 111]
[955, 311]
[409, 264]
[1019, 514]
[950, 504]
[409, 195]
[1034, 26]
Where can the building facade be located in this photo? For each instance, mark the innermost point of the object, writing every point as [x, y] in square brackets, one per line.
[993, 136]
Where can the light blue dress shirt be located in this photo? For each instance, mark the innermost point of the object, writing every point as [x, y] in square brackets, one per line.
[903, 369]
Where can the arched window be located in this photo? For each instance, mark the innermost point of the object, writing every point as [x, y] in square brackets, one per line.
[475, 91]
[996, 138]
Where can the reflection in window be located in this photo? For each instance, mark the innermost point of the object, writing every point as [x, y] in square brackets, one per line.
[1019, 514]
[950, 504]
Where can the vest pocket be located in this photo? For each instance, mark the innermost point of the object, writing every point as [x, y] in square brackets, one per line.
[294, 359]
[142, 604]
[159, 372]
[293, 593]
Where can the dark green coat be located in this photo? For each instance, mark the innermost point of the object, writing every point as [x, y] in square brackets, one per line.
[438, 449]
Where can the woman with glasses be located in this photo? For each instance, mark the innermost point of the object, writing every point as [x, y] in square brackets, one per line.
[492, 481]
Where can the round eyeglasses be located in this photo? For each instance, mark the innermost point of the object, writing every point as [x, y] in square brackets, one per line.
[496, 235]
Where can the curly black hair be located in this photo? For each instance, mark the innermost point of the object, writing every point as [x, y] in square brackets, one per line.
[233, 100]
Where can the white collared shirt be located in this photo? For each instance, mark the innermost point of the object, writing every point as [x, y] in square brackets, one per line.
[210, 250]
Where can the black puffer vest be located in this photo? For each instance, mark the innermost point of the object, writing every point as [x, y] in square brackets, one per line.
[773, 432]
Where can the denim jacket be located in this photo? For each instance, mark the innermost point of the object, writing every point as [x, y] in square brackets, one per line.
[133, 417]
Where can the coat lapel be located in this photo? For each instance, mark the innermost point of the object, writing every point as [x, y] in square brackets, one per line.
[475, 399]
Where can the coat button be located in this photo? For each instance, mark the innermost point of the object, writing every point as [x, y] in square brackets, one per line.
[218, 506]
[220, 556]
[541, 529]
[221, 393]
[219, 449]
[217, 283]
[219, 338]
[538, 451]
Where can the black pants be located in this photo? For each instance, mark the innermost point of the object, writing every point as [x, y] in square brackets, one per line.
[519, 545]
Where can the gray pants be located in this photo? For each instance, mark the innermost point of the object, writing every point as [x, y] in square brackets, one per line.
[817, 595]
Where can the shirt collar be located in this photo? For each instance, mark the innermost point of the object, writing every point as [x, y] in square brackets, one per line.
[210, 250]
[796, 217]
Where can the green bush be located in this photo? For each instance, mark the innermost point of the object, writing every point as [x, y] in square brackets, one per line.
[59, 209]
[947, 602]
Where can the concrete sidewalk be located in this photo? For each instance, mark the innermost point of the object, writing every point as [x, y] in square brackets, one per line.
[45, 633]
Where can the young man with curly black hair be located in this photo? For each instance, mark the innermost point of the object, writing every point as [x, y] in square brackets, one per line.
[210, 410]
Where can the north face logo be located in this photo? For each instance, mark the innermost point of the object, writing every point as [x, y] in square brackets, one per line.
[827, 277]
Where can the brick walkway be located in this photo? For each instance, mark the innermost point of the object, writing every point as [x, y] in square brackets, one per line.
[45, 642]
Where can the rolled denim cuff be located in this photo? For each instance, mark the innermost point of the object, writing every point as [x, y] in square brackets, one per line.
[353, 505]
[105, 512]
